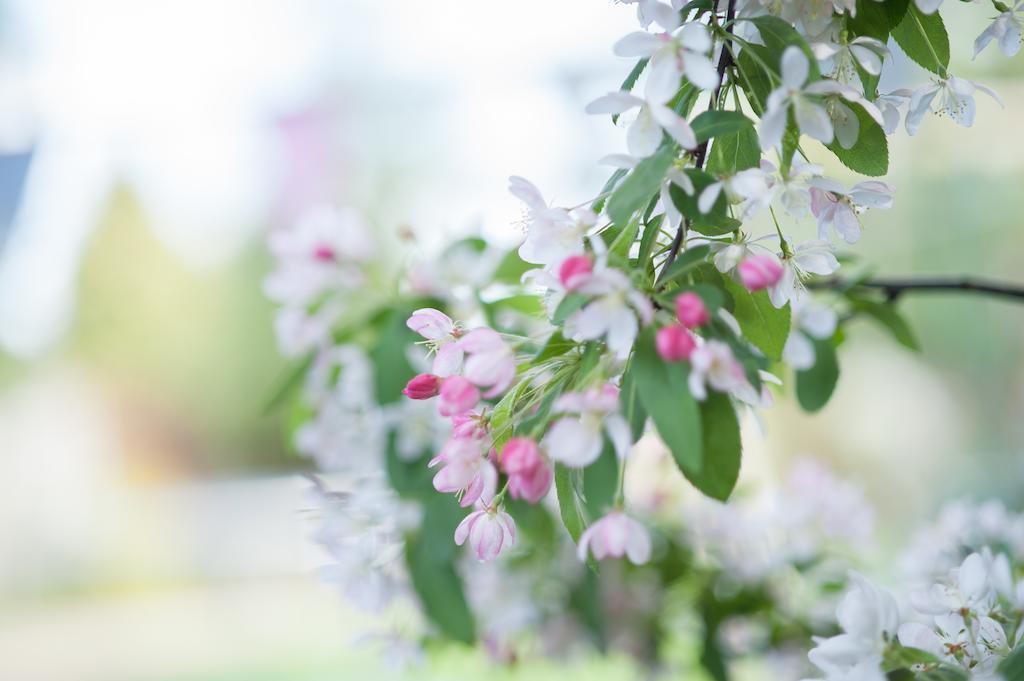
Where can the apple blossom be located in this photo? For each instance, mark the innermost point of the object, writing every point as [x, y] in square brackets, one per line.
[465, 470]
[574, 271]
[615, 312]
[614, 536]
[679, 52]
[674, 343]
[1005, 30]
[422, 387]
[457, 396]
[529, 474]
[889, 104]
[553, 234]
[791, 189]
[490, 362]
[748, 187]
[868, 617]
[811, 117]
[441, 334]
[812, 321]
[956, 100]
[837, 208]
[841, 59]
[760, 272]
[489, 531]
[713, 363]
[577, 440]
[691, 311]
[643, 137]
[804, 259]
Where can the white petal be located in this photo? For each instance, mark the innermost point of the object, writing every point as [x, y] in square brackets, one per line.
[614, 103]
[795, 67]
[813, 120]
[638, 44]
[674, 124]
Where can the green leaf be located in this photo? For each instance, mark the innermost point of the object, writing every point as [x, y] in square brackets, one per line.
[291, 379]
[722, 448]
[512, 268]
[872, 19]
[568, 503]
[625, 239]
[647, 242]
[666, 396]
[870, 154]
[901, 657]
[733, 153]
[601, 481]
[713, 223]
[391, 368]
[598, 205]
[429, 556]
[720, 123]
[411, 479]
[814, 386]
[1012, 668]
[570, 304]
[641, 184]
[890, 319]
[763, 324]
[685, 262]
[924, 39]
[632, 409]
[555, 346]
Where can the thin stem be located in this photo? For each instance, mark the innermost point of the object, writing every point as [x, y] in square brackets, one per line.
[700, 155]
[894, 288]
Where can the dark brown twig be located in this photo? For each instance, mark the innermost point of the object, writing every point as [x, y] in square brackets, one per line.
[894, 288]
[700, 154]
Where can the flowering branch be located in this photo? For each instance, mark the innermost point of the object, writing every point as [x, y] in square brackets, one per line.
[894, 288]
[700, 155]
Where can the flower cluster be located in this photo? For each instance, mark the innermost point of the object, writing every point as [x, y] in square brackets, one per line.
[504, 394]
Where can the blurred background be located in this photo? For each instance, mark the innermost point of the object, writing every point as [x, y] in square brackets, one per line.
[150, 522]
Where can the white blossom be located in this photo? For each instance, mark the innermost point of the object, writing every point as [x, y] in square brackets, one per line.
[643, 136]
[955, 99]
[680, 51]
[1005, 30]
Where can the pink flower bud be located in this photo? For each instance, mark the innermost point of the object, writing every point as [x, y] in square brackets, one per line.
[675, 343]
[324, 253]
[488, 531]
[422, 387]
[690, 310]
[760, 271]
[529, 474]
[458, 396]
[574, 271]
[614, 536]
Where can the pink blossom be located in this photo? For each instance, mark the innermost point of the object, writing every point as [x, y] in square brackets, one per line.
[529, 474]
[422, 387]
[760, 272]
[690, 310]
[491, 363]
[574, 271]
[441, 334]
[675, 343]
[616, 535]
[431, 324]
[458, 396]
[489, 531]
[576, 440]
[714, 364]
[465, 471]
[468, 425]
